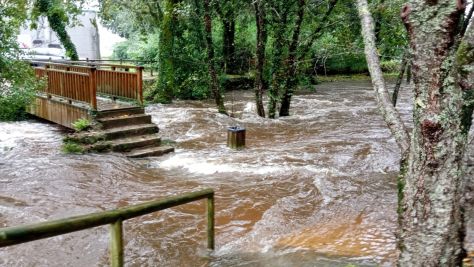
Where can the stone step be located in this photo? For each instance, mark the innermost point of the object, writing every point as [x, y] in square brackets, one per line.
[113, 122]
[127, 144]
[150, 152]
[129, 131]
[120, 112]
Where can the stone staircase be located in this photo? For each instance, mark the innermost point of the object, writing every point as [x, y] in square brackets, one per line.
[130, 131]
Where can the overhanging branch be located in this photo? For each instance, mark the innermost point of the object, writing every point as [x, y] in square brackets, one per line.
[389, 113]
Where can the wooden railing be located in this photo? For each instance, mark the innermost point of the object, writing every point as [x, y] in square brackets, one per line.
[117, 79]
[120, 83]
[81, 81]
[21, 234]
[78, 84]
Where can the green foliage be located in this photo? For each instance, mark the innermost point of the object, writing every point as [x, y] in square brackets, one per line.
[72, 148]
[245, 34]
[17, 81]
[392, 35]
[390, 66]
[121, 50]
[336, 48]
[129, 18]
[81, 124]
[188, 76]
[16, 94]
[346, 64]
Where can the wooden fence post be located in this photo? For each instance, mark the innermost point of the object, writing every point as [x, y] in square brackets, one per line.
[46, 67]
[210, 221]
[140, 84]
[93, 88]
[116, 244]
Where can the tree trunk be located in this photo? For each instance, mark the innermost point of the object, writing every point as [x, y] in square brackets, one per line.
[164, 88]
[431, 228]
[277, 62]
[291, 72]
[215, 89]
[388, 111]
[466, 21]
[409, 72]
[403, 67]
[260, 84]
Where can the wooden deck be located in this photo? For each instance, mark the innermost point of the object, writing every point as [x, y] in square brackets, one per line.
[75, 90]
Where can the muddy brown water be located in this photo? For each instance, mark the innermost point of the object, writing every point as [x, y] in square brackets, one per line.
[314, 189]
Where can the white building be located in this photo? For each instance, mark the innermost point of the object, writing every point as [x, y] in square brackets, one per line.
[45, 44]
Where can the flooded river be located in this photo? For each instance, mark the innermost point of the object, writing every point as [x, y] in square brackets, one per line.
[314, 189]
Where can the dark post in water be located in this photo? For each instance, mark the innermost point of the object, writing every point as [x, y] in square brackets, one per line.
[236, 137]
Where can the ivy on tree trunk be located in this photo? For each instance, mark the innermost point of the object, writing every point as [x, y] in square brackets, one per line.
[260, 83]
[291, 69]
[277, 71]
[164, 87]
[215, 88]
[57, 21]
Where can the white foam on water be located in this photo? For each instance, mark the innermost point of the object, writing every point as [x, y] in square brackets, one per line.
[14, 133]
[250, 107]
[199, 165]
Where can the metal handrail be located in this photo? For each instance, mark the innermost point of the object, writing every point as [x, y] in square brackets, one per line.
[26, 233]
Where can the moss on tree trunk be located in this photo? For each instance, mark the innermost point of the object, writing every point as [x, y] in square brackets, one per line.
[164, 87]
[431, 226]
[260, 82]
[214, 83]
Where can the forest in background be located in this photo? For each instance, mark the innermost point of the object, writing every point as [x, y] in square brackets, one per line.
[272, 46]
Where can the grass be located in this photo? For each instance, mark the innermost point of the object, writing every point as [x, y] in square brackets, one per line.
[352, 77]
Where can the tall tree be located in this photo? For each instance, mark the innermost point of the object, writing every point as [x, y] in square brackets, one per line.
[431, 228]
[280, 20]
[297, 51]
[260, 82]
[165, 83]
[215, 89]
[291, 69]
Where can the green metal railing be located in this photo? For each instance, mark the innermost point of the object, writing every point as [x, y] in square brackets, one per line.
[21, 234]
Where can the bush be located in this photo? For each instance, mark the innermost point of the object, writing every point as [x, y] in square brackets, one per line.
[81, 124]
[18, 86]
[120, 50]
[72, 148]
[17, 80]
